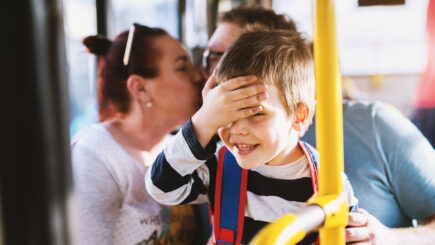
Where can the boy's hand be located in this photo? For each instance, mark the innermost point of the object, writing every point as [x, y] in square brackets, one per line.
[230, 101]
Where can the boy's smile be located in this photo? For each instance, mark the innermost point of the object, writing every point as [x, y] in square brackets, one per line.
[244, 149]
[267, 137]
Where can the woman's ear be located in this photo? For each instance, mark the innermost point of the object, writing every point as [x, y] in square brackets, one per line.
[301, 115]
[139, 88]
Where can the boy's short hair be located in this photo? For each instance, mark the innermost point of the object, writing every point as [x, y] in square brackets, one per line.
[281, 58]
[252, 17]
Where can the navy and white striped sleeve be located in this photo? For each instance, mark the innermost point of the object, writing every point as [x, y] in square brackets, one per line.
[179, 174]
[352, 201]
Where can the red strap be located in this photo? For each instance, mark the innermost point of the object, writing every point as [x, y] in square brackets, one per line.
[227, 235]
[217, 194]
[313, 170]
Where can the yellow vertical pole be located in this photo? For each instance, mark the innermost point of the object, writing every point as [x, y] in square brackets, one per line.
[329, 121]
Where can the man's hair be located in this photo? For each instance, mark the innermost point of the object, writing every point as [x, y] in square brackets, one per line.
[281, 58]
[251, 17]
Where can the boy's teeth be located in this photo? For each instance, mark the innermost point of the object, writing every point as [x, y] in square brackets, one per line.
[244, 147]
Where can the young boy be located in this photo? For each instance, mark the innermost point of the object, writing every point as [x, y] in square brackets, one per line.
[260, 120]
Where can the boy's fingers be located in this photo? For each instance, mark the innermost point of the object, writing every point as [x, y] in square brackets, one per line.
[251, 101]
[238, 82]
[251, 90]
[247, 112]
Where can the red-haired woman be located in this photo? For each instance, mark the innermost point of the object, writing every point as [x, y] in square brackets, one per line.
[147, 86]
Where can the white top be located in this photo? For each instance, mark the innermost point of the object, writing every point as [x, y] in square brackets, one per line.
[113, 204]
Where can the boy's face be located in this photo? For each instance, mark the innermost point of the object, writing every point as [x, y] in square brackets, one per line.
[267, 137]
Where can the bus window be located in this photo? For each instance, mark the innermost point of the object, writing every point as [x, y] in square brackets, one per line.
[155, 13]
[381, 48]
[80, 21]
[195, 24]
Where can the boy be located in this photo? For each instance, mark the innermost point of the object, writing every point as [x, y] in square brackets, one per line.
[260, 122]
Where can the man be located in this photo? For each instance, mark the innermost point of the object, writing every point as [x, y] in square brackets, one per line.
[391, 166]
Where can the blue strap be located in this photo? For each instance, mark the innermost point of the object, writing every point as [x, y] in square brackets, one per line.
[231, 182]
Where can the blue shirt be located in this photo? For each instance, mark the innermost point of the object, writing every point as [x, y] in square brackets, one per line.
[390, 165]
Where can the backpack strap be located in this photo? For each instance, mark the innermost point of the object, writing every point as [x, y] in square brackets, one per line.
[230, 194]
[313, 158]
[313, 162]
[230, 200]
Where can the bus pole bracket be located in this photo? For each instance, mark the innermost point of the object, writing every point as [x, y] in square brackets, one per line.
[335, 208]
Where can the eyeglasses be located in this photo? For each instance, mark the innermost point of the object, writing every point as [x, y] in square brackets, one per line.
[130, 37]
[210, 59]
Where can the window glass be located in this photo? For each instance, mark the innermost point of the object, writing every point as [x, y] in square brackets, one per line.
[80, 21]
[195, 28]
[154, 13]
[372, 40]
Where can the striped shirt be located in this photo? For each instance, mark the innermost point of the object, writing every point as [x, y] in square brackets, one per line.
[185, 172]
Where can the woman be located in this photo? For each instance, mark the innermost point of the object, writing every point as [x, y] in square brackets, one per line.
[144, 91]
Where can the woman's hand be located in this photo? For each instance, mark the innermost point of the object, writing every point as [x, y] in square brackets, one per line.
[227, 102]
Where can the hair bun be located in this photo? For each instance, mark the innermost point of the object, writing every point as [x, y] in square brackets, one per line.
[97, 44]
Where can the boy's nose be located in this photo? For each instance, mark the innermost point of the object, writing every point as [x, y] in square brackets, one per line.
[239, 128]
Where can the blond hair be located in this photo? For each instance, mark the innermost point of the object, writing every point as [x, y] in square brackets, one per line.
[281, 58]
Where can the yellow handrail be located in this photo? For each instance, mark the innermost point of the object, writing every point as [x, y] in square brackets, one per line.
[329, 119]
[332, 218]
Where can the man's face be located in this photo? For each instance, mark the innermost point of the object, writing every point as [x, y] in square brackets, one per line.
[223, 37]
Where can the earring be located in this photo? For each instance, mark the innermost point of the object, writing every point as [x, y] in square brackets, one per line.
[149, 104]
